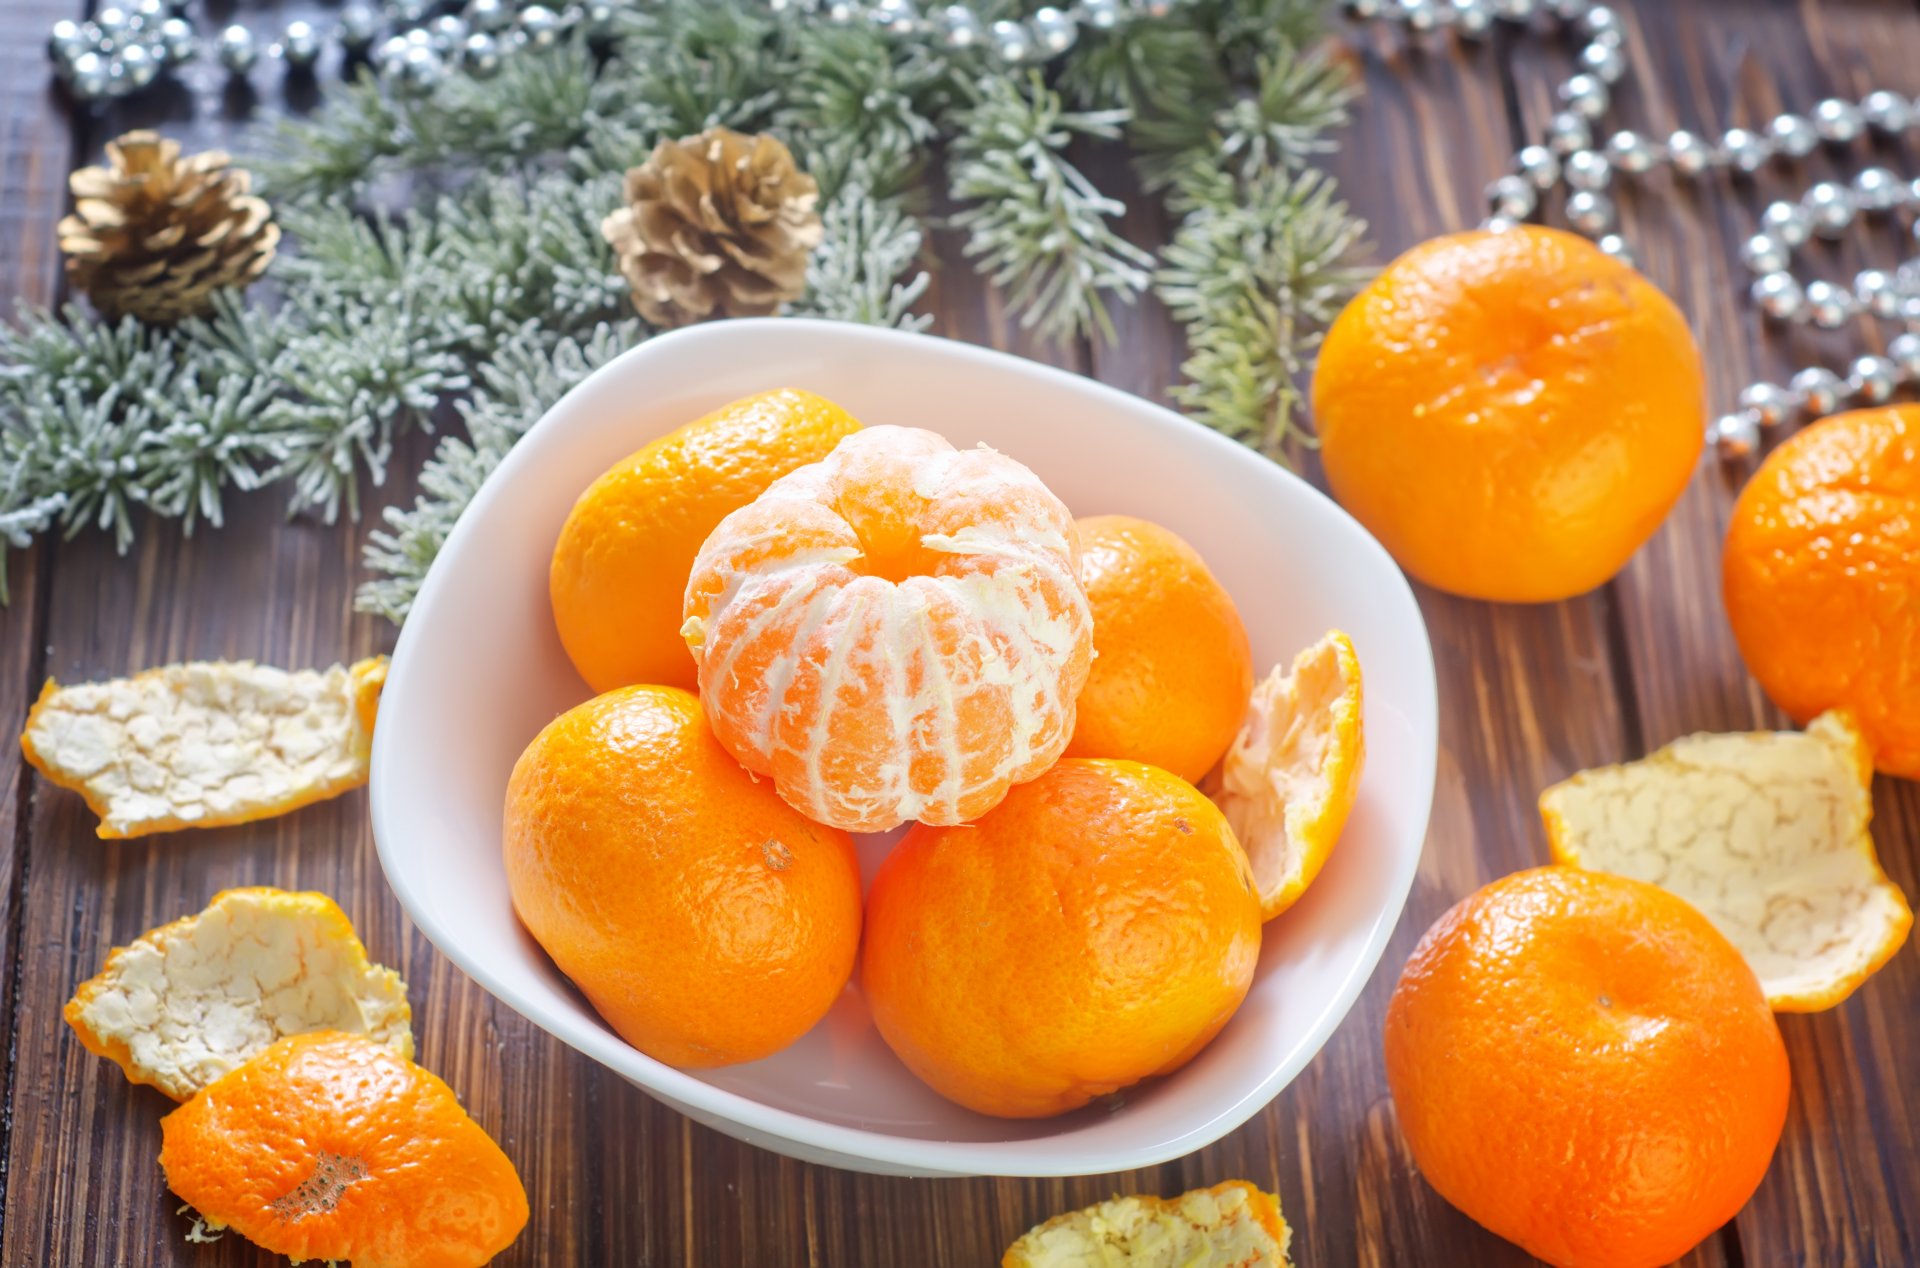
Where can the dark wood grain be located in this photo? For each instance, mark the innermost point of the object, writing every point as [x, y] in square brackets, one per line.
[1527, 695]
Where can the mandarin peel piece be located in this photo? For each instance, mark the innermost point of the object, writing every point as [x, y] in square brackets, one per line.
[1766, 833]
[190, 1001]
[206, 744]
[1289, 780]
[895, 633]
[1231, 1225]
[326, 1146]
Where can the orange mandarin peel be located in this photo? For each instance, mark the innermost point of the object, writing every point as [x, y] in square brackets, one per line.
[1231, 1225]
[1766, 833]
[206, 744]
[328, 1147]
[894, 633]
[1289, 781]
[191, 1001]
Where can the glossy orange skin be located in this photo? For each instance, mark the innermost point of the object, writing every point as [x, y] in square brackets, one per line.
[1172, 671]
[427, 1189]
[1821, 571]
[705, 919]
[1096, 928]
[1585, 1066]
[1511, 414]
[621, 563]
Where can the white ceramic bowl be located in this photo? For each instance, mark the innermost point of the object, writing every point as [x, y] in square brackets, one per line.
[479, 670]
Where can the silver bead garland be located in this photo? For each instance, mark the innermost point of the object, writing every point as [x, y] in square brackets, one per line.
[1569, 156]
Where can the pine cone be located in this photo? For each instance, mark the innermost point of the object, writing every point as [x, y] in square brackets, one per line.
[718, 224]
[154, 235]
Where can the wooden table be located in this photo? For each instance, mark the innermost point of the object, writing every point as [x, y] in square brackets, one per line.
[1528, 694]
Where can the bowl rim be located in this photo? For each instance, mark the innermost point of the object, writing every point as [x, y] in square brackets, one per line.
[708, 1102]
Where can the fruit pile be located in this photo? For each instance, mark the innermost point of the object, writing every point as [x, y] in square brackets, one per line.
[800, 629]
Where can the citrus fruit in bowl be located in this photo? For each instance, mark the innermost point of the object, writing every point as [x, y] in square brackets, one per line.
[480, 671]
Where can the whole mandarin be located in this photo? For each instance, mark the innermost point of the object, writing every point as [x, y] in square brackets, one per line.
[621, 563]
[1172, 672]
[1585, 1065]
[1821, 571]
[704, 918]
[1512, 414]
[1096, 928]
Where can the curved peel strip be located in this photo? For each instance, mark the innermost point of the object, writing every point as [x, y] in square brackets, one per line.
[190, 1001]
[206, 744]
[1231, 1225]
[1288, 783]
[1766, 833]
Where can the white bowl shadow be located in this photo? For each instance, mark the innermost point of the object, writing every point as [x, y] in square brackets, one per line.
[479, 670]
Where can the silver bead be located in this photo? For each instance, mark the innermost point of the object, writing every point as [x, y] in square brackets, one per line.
[236, 50]
[447, 33]
[1053, 30]
[1876, 189]
[1419, 15]
[1871, 379]
[895, 17]
[1830, 207]
[1887, 112]
[1735, 435]
[1585, 95]
[841, 12]
[1512, 197]
[1827, 304]
[177, 45]
[139, 66]
[1837, 122]
[1631, 152]
[359, 24]
[392, 51]
[1599, 20]
[1763, 253]
[538, 25]
[1769, 403]
[1904, 351]
[421, 68]
[1539, 166]
[960, 27]
[118, 84]
[408, 12]
[1515, 10]
[1792, 136]
[1689, 155]
[1363, 10]
[147, 15]
[1747, 151]
[88, 77]
[480, 54]
[1499, 224]
[1818, 389]
[1605, 62]
[65, 42]
[1472, 18]
[487, 15]
[1588, 170]
[299, 45]
[1566, 10]
[1100, 15]
[1779, 296]
[1789, 222]
[1616, 246]
[1567, 132]
[1012, 41]
[113, 25]
[596, 19]
[1589, 211]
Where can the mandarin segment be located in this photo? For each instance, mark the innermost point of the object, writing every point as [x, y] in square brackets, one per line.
[1096, 928]
[1820, 570]
[191, 1001]
[1290, 779]
[705, 919]
[328, 1147]
[1231, 1225]
[1172, 669]
[1766, 833]
[1511, 413]
[1583, 1064]
[894, 633]
[206, 744]
[620, 565]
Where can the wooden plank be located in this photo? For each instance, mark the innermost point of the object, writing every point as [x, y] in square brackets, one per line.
[1850, 1142]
